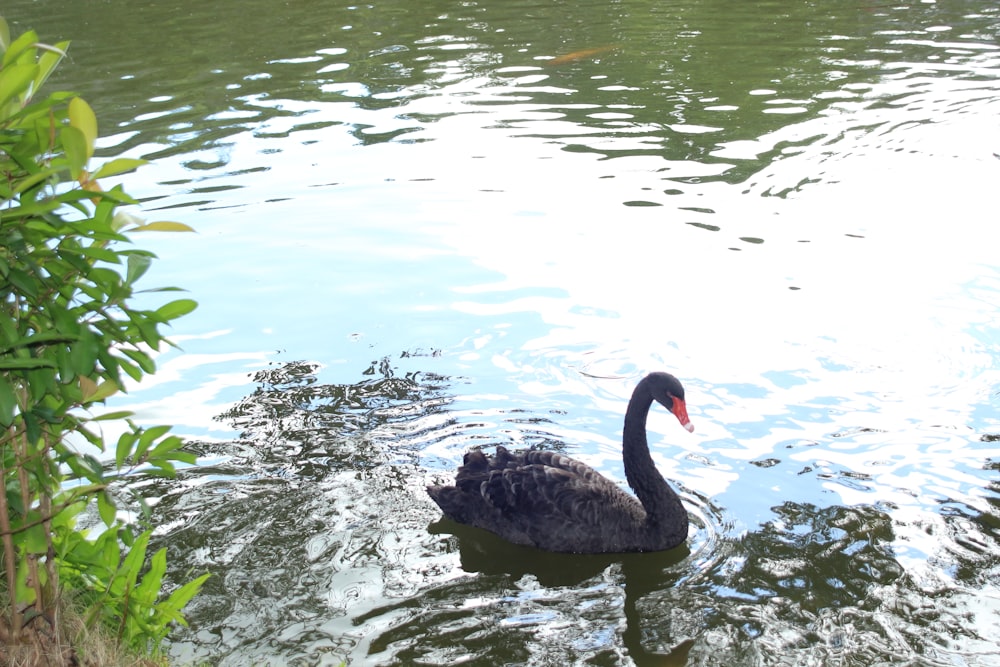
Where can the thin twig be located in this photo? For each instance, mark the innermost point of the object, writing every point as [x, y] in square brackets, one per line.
[7, 531]
[10, 564]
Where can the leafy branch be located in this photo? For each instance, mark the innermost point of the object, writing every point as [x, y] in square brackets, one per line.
[69, 337]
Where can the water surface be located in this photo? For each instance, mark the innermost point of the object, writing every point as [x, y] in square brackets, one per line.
[429, 227]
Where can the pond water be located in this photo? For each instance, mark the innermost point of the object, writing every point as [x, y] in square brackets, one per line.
[426, 227]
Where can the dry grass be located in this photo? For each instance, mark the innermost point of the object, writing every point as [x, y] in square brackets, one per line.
[79, 646]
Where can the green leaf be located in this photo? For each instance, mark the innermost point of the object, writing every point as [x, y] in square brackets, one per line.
[126, 535]
[106, 508]
[87, 386]
[162, 469]
[142, 359]
[118, 414]
[135, 558]
[83, 353]
[88, 435]
[121, 165]
[74, 143]
[126, 442]
[108, 543]
[19, 46]
[25, 364]
[38, 339]
[86, 466]
[146, 326]
[160, 289]
[175, 309]
[184, 456]
[82, 117]
[125, 221]
[106, 279]
[99, 253]
[146, 439]
[64, 365]
[25, 594]
[149, 589]
[48, 61]
[105, 390]
[170, 450]
[94, 392]
[163, 226]
[8, 402]
[30, 182]
[4, 35]
[32, 429]
[35, 537]
[180, 597]
[130, 369]
[137, 267]
[24, 282]
[118, 196]
[15, 81]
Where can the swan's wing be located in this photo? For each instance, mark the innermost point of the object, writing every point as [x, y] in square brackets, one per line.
[549, 488]
[543, 499]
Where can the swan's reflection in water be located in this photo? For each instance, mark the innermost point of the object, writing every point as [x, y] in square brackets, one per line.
[606, 608]
[813, 584]
[576, 605]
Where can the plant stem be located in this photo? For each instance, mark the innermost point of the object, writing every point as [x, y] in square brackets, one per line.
[10, 564]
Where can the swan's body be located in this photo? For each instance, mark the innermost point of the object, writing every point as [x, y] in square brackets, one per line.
[550, 501]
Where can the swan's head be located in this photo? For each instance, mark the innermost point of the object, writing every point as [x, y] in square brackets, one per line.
[669, 392]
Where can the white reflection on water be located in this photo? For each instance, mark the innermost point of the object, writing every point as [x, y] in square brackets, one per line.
[884, 230]
[190, 389]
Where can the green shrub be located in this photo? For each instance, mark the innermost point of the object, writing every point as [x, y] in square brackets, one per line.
[68, 338]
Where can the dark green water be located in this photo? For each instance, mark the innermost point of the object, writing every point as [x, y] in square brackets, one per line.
[425, 227]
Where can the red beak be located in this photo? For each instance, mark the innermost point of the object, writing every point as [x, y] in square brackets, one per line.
[680, 411]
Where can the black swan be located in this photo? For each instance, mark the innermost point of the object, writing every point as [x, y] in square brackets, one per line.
[552, 502]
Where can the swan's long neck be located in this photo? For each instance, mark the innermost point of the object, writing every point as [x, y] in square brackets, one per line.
[662, 505]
